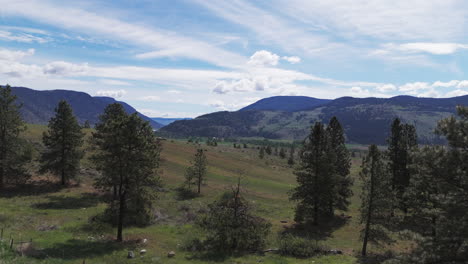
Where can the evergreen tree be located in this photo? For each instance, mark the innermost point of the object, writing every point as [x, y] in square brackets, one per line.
[282, 153]
[268, 150]
[12, 151]
[231, 226]
[291, 156]
[127, 155]
[313, 176]
[438, 192]
[63, 142]
[261, 153]
[402, 141]
[342, 164]
[86, 124]
[196, 174]
[375, 200]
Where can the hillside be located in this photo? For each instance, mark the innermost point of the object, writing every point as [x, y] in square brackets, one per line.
[61, 226]
[366, 120]
[285, 103]
[38, 106]
[166, 121]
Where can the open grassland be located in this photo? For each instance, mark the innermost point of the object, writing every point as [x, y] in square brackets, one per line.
[59, 220]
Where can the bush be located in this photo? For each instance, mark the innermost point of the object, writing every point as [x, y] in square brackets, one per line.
[290, 245]
[229, 225]
[185, 193]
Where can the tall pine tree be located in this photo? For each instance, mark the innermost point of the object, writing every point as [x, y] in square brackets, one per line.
[375, 200]
[313, 176]
[12, 151]
[63, 142]
[402, 141]
[342, 181]
[438, 192]
[127, 155]
[195, 174]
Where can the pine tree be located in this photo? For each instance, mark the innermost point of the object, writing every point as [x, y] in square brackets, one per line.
[196, 174]
[63, 142]
[291, 156]
[438, 192]
[313, 176]
[127, 155]
[402, 141]
[12, 151]
[268, 150]
[342, 164]
[261, 153]
[231, 226]
[282, 153]
[376, 203]
[86, 124]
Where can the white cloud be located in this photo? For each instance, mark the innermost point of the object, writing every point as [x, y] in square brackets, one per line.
[111, 93]
[15, 55]
[445, 84]
[26, 38]
[463, 84]
[415, 86]
[292, 59]
[65, 68]
[455, 93]
[114, 82]
[174, 92]
[263, 58]
[358, 91]
[442, 48]
[381, 19]
[386, 88]
[151, 98]
[165, 43]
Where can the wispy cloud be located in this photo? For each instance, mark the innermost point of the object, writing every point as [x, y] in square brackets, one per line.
[166, 43]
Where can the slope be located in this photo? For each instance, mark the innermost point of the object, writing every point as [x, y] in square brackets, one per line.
[38, 106]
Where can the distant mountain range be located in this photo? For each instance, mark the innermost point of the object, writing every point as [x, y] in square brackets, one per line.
[365, 120]
[38, 106]
[166, 121]
[286, 103]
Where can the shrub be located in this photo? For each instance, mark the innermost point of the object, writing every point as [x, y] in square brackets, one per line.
[229, 225]
[290, 245]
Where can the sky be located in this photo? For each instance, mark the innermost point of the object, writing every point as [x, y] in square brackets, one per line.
[184, 58]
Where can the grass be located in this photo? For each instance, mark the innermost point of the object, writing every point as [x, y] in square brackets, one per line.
[68, 236]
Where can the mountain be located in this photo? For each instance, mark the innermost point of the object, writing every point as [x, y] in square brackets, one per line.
[166, 121]
[286, 103]
[365, 120]
[38, 106]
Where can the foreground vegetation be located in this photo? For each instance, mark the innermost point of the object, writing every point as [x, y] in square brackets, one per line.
[244, 213]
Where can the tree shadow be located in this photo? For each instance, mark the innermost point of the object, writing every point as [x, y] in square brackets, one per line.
[215, 255]
[83, 249]
[376, 258]
[69, 202]
[319, 232]
[30, 189]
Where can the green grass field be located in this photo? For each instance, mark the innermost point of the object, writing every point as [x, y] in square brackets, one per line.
[58, 220]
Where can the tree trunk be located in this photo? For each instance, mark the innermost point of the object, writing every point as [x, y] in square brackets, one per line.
[199, 184]
[369, 213]
[121, 217]
[63, 177]
[2, 174]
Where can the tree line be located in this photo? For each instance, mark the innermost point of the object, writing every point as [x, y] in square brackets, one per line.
[421, 190]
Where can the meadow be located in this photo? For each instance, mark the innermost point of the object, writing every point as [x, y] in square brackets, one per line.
[61, 221]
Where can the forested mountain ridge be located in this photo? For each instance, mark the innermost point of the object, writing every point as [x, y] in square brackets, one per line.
[286, 103]
[38, 106]
[365, 120]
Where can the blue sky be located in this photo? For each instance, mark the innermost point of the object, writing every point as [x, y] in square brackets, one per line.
[183, 58]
